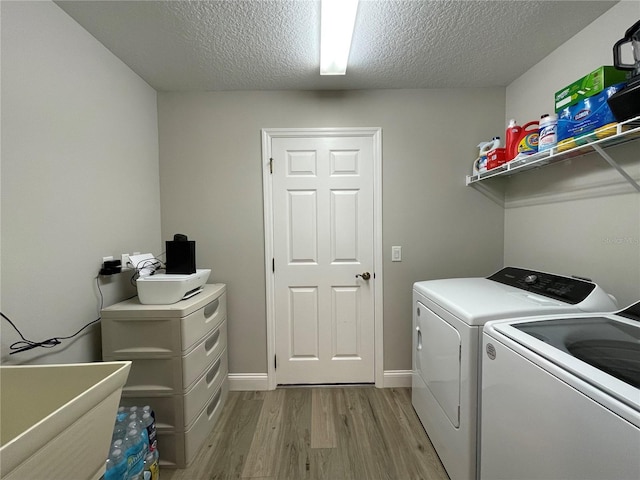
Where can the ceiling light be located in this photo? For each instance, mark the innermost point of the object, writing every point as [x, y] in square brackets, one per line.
[336, 29]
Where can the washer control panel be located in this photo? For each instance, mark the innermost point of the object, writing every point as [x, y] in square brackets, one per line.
[567, 289]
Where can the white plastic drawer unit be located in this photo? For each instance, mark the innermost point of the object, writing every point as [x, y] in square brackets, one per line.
[176, 412]
[178, 448]
[134, 330]
[176, 374]
[179, 365]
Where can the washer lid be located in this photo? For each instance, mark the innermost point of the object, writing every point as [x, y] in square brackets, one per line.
[581, 345]
[605, 343]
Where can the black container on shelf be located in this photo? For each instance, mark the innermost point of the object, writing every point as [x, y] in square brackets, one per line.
[625, 104]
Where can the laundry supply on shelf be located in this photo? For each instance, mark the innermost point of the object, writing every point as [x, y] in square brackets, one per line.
[589, 85]
[495, 158]
[587, 120]
[547, 132]
[511, 143]
[521, 140]
[480, 163]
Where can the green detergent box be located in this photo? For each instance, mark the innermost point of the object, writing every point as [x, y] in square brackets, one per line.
[589, 85]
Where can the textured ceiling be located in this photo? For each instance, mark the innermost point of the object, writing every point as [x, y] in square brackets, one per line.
[274, 44]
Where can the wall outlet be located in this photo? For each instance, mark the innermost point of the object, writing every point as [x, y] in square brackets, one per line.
[125, 261]
[109, 266]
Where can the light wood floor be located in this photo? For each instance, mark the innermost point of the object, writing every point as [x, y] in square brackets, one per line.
[355, 433]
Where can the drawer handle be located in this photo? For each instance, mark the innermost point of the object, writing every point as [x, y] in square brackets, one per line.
[213, 372]
[211, 308]
[212, 341]
[214, 403]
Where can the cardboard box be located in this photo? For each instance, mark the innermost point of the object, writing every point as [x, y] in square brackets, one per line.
[587, 115]
[597, 134]
[495, 158]
[589, 85]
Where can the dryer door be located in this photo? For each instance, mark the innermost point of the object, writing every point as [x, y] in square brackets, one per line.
[439, 361]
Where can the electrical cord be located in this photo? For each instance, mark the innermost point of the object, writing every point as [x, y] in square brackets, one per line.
[26, 344]
[155, 264]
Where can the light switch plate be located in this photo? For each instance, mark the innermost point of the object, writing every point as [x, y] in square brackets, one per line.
[396, 254]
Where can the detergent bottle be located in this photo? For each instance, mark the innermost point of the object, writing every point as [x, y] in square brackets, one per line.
[527, 144]
[514, 132]
[486, 147]
[480, 163]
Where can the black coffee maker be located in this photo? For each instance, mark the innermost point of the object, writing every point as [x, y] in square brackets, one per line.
[625, 104]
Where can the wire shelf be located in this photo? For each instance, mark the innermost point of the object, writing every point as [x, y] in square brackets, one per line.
[626, 131]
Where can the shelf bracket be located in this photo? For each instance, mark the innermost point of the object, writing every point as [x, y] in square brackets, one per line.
[490, 193]
[615, 165]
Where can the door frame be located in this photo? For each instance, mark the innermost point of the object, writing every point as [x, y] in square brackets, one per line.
[375, 133]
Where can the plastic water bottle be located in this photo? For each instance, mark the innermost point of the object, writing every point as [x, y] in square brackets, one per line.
[119, 429]
[122, 413]
[151, 429]
[135, 453]
[150, 426]
[116, 466]
[152, 460]
[136, 422]
[147, 409]
[151, 467]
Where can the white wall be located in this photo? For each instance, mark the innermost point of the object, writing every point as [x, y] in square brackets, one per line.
[79, 177]
[211, 190]
[79, 181]
[532, 94]
[578, 217]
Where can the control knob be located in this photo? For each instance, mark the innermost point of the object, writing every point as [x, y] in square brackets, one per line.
[530, 279]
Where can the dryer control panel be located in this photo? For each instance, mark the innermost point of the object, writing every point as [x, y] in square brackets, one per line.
[567, 289]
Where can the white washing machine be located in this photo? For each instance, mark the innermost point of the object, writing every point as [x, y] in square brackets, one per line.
[448, 317]
[561, 398]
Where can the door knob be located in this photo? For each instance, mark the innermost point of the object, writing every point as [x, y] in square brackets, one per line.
[365, 275]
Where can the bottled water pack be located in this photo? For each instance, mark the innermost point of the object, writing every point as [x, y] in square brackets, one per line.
[133, 453]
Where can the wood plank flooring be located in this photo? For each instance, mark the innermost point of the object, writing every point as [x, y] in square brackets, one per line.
[350, 433]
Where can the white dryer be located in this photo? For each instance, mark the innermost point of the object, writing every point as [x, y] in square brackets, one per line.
[448, 317]
[561, 397]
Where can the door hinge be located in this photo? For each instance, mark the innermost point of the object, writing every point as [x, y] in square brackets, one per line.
[275, 362]
[460, 353]
[271, 165]
[273, 265]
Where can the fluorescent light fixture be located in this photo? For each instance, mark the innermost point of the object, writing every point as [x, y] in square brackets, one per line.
[336, 29]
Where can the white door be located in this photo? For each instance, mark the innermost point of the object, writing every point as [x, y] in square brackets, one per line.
[323, 264]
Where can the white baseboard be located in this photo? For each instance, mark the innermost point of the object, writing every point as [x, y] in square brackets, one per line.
[247, 382]
[397, 378]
